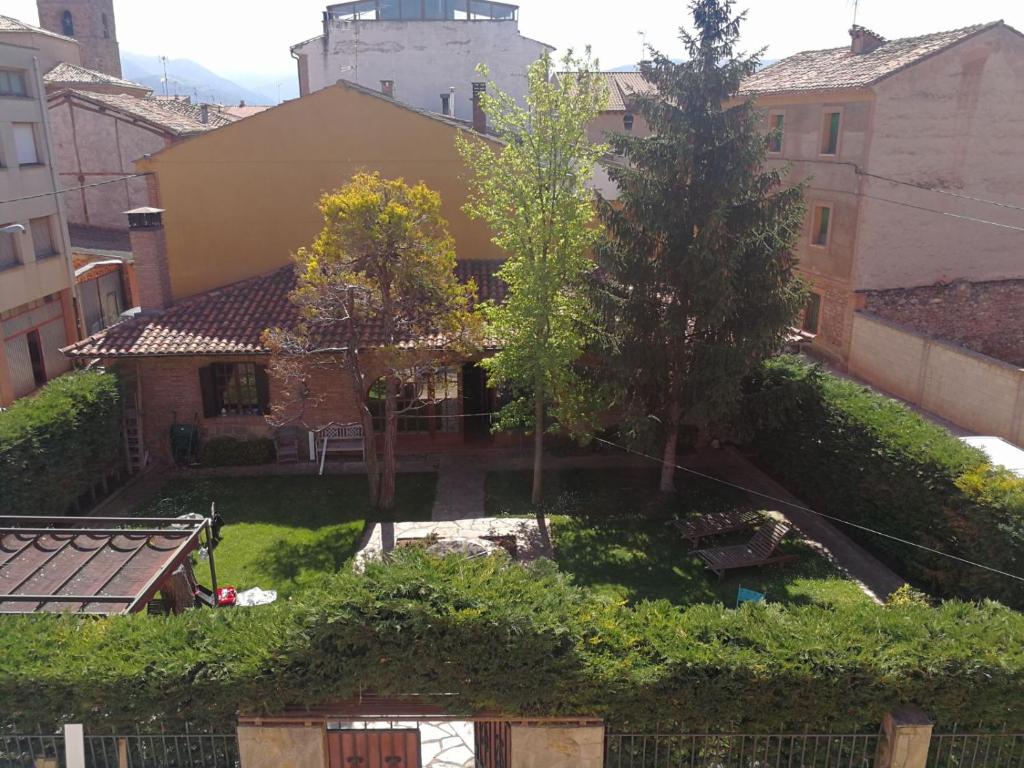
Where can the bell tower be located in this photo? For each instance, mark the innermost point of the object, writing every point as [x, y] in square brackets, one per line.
[91, 23]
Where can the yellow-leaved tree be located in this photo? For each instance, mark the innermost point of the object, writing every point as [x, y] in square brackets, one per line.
[379, 302]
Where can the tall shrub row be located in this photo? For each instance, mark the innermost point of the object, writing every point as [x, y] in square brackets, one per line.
[56, 444]
[866, 458]
[495, 636]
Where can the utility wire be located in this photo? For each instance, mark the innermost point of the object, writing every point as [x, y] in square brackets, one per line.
[924, 187]
[814, 512]
[75, 189]
[920, 208]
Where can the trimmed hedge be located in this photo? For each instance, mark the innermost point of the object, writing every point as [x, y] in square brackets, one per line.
[863, 457]
[56, 444]
[525, 641]
[231, 452]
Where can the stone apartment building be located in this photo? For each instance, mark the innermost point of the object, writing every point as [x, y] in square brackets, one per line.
[37, 308]
[900, 143]
[426, 51]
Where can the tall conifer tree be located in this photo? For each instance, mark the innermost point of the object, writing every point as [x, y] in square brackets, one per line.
[697, 262]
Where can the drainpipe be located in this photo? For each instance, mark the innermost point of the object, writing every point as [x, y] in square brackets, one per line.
[58, 195]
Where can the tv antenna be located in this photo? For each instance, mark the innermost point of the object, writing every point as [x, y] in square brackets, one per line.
[856, 6]
[643, 44]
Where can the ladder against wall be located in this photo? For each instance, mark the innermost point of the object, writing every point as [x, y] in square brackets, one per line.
[135, 457]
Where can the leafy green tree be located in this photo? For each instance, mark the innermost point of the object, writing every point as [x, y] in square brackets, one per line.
[699, 272]
[379, 299]
[534, 194]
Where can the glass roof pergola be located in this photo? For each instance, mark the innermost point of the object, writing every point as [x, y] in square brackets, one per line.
[423, 10]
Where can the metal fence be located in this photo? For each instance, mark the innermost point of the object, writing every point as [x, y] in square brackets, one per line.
[25, 750]
[191, 749]
[976, 750]
[740, 750]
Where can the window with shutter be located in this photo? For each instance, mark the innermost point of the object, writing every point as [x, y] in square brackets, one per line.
[235, 389]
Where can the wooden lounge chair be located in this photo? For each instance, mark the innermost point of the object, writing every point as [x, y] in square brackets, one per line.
[760, 550]
[696, 528]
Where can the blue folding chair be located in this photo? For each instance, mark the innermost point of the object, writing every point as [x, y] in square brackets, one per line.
[748, 596]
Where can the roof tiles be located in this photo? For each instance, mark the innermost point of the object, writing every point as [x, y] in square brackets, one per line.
[232, 320]
[840, 68]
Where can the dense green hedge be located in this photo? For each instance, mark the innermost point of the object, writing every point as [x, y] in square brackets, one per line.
[231, 452]
[57, 443]
[862, 457]
[524, 641]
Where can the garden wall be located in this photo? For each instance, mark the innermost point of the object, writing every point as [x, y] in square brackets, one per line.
[972, 390]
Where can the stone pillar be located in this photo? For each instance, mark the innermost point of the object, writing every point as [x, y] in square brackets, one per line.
[906, 736]
[557, 746]
[276, 745]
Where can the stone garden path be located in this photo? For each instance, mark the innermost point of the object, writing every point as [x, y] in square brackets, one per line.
[460, 488]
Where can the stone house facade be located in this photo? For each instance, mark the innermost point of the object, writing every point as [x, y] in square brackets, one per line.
[92, 23]
[901, 145]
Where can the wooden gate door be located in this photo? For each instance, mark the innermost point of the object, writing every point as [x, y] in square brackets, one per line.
[374, 749]
[493, 744]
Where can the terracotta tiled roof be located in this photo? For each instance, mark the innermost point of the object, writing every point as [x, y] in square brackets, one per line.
[240, 112]
[839, 68]
[621, 86]
[177, 118]
[71, 75]
[9, 24]
[231, 320]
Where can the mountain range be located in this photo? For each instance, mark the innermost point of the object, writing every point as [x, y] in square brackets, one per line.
[189, 78]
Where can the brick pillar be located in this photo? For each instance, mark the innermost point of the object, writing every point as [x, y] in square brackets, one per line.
[149, 248]
[906, 736]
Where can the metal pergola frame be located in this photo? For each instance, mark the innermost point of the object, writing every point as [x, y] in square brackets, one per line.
[187, 530]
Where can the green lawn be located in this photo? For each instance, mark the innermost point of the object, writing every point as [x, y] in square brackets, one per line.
[283, 532]
[611, 531]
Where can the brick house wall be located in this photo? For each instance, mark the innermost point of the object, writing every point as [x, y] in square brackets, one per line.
[169, 388]
[984, 317]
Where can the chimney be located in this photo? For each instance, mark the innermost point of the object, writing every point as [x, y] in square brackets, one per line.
[479, 118]
[149, 248]
[387, 87]
[204, 114]
[446, 104]
[863, 40]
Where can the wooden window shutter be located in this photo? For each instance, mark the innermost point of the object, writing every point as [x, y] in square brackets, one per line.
[208, 386]
[263, 388]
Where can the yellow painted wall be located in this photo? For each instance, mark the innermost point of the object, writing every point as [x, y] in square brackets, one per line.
[242, 198]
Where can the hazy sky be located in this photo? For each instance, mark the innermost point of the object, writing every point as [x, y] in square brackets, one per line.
[253, 36]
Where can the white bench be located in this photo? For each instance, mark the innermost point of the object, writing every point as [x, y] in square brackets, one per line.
[341, 438]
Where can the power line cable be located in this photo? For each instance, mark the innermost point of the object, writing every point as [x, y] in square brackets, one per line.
[75, 189]
[924, 187]
[919, 208]
[814, 512]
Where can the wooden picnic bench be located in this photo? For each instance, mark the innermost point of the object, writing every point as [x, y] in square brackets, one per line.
[341, 438]
[696, 528]
[760, 550]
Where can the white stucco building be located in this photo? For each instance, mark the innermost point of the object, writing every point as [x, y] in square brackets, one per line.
[425, 52]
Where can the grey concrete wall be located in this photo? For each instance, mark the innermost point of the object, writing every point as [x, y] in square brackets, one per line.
[423, 58]
[954, 121]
